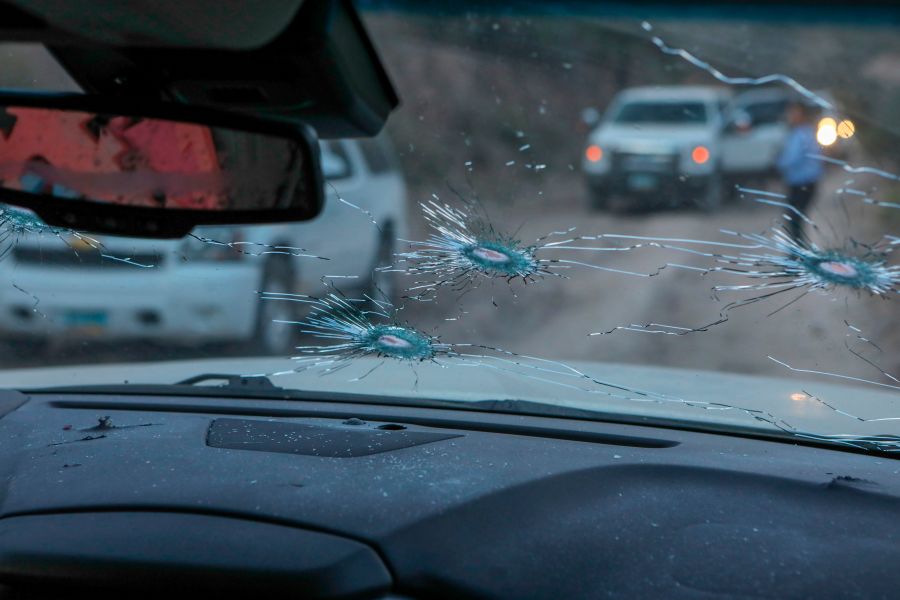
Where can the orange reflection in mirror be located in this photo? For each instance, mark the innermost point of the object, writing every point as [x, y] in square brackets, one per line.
[122, 160]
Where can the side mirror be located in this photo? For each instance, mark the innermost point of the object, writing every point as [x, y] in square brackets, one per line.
[334, 164]
[590, 116]
[152, 169]
[740, 122]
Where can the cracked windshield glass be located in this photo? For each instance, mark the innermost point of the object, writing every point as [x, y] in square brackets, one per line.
[687, 221]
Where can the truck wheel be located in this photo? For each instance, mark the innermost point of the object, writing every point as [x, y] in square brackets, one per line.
[711, 197]
[271, 337]
[383, 286]
[598, 198]
[25, 351]
[730, 194]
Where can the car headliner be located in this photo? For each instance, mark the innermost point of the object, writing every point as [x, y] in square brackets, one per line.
[246, 24]
[226, 24]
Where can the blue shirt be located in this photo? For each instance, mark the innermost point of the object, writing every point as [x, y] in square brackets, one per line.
[796, 163]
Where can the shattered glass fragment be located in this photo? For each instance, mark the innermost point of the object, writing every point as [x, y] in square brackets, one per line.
[37, 301]
[16, 224]
[878, 443]
[257, 248]
[851, 169]
[749, 81]
[860, 344]
[836, 375]
[856, 344]
[262, 249]
[866, 199]
[882, 443]
[360, 209]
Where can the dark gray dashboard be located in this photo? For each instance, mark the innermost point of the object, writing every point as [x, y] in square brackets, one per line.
[351, 500]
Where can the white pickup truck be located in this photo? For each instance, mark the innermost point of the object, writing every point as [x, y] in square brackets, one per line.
[658, 146]
[755, 132]
[675, 145]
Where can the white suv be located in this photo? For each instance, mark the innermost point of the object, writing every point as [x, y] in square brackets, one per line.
[756, 130]
[199, 292]
[658, 146]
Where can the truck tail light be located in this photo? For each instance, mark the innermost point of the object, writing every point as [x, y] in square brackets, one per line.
[594, 153]
[700, 154]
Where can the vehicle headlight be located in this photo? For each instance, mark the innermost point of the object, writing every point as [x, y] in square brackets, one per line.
[214, 245]
[826, 132]
[846, 129]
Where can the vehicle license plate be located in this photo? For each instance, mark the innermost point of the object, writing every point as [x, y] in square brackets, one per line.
[642, 182]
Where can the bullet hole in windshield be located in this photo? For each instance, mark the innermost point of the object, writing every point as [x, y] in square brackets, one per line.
[465, 249]
[777, 265]
[353, 332]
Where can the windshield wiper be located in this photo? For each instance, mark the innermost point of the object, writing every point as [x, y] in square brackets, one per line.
[262, 388]
[242, 382]
[235, 386]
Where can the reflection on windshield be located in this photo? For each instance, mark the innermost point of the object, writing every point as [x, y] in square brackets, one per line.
[677, 246]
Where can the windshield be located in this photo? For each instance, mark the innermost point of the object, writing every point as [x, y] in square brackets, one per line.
[661, 112]
[502, 240]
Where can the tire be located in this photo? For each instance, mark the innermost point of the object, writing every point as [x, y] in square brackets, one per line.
[729, 189]
[711, 199]
[384, 286]
[26, 352]
[269, 337]
[598, 198]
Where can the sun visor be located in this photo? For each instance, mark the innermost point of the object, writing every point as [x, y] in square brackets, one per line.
[321, 69]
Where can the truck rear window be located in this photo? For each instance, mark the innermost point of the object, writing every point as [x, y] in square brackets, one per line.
[661, 112]
[765, 113]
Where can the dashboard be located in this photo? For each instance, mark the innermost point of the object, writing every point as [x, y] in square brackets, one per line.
[105, 494]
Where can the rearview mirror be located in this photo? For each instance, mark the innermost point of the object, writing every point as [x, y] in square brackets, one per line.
[153, 170]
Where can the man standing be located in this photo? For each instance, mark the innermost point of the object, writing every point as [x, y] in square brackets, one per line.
[801, 172]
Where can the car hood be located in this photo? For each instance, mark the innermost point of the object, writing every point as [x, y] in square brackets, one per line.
[693, 397]
[651, 138]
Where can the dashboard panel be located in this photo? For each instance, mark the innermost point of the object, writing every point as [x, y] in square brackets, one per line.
[109, 493]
